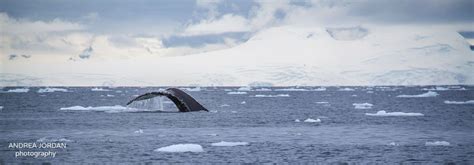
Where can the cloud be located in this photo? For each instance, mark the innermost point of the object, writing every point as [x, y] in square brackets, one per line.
[225, 24]
[24, 26]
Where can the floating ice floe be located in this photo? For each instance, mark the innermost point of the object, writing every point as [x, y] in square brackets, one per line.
[459, 102]
[370, 92]
[244, 89]
[292, 89]
[309, 120]
[263, 89]
[322, 102]
[224, 105]
[243, 102]
[181, 148]
[427, 94]
[346, 89]
[297, 120]
[48, 90]
[384, 113]
[435, 89]
[18, 90]
[319, 89]
[393, 144]
[233, 111]
[237, 93]
[195, 89]
[1, 107]
[229, 144]
[49, 139]
[108, 95]
[139, 131]
[437, 143]
[362, 105]
[278, 95]
[99, 90]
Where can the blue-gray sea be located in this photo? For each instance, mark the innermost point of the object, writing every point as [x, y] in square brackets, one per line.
[435, 127]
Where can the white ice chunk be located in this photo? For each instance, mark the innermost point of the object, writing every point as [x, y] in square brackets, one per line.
[297, 120]
[237, 93]
[244, 89]
[195, 89]
[309, 120]
[278, 95]
[18, 90]
[181, 148]
[291, 89]
[243, 102]
[362, 105]
[99, 89]
[427, 94]
[437, 143]
[45, 90]
[346, 89]
[459, 102]
[229, 144]
[139, 131]
[384, 113]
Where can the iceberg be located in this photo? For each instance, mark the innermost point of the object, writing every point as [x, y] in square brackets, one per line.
[229, 144]
[384, 113]
[181, 148]
[427, 94]
[107, 109]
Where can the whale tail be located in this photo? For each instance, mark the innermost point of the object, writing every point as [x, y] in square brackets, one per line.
[183, 101]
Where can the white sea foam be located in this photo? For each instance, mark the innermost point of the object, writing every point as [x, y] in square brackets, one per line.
[139, 131]
[229, 144]
[362, 105]
[181, 148]
[224, 105]
[278, 95]
[384, 113]
[427, 94]
[18, 90]
[99, 90]
[48, 90]
[309, 120]
[237, 93]
[437, 143]
[459, 102]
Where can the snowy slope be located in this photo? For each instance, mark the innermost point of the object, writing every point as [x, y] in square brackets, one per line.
[283, 56]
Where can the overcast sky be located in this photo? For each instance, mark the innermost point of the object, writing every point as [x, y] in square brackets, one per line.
[68, 27]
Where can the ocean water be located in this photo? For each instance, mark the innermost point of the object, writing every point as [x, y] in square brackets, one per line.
[428, 131]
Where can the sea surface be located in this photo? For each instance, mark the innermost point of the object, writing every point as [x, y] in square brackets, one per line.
[425, 124]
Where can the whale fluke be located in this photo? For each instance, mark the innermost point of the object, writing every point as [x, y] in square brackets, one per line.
[183, 101]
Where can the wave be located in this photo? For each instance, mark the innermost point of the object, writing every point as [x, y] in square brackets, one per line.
[384, 113]
[427, 94]
[51, 139]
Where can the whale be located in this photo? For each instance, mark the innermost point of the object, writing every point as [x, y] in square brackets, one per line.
[183, 101]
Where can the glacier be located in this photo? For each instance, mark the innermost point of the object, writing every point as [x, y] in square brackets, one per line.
[277, 56]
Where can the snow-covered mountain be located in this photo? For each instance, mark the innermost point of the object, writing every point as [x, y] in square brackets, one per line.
[284, 56]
